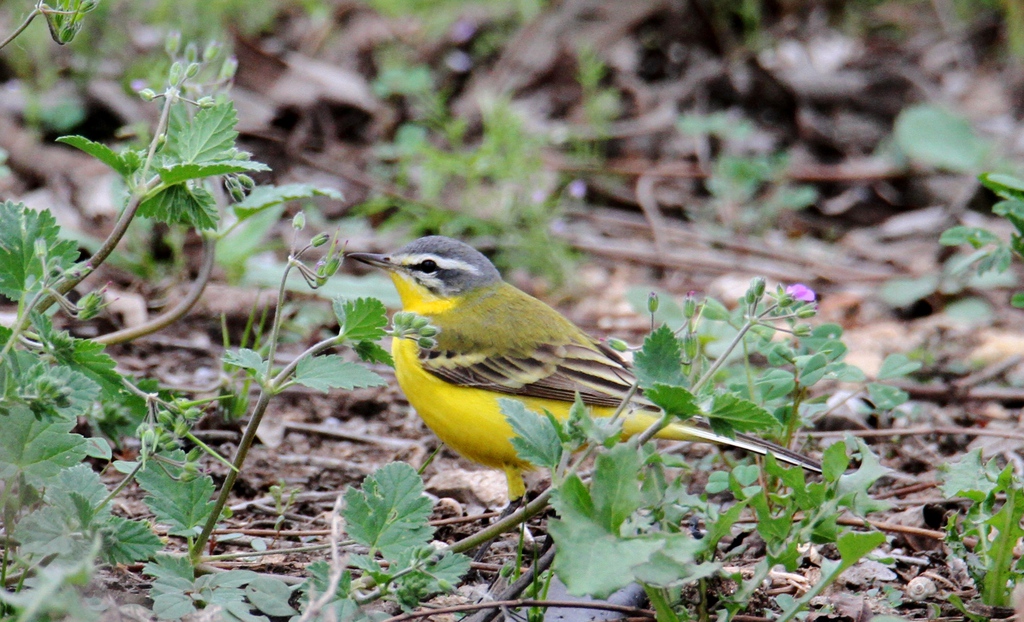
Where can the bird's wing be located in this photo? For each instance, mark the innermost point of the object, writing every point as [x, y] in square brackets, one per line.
[554, 372]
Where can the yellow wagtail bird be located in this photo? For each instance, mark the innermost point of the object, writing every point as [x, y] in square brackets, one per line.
[495, 341]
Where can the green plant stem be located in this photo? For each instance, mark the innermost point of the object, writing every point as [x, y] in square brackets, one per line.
[20, 29]
[230, 556]
[229, 481]
[120, 486]
[173, 315]
[709, 374]
[662, 606]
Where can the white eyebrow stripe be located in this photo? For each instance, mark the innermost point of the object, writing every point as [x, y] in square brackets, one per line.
[443, 263]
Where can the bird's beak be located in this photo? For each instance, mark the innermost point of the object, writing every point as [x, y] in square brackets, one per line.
[373, 259]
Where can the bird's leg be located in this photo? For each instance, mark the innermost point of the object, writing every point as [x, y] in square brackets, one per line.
[512, 506]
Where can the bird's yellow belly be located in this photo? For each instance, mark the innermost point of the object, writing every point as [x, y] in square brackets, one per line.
[468, 420]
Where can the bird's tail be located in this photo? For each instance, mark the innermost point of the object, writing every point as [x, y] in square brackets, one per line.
[699, 430]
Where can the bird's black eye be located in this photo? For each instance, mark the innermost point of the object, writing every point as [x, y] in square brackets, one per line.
[427, 266]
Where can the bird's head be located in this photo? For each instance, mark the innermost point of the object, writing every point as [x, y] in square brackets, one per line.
[434, 269]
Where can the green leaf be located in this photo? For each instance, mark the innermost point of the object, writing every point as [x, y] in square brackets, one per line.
[975, 236]
[1006, 186]
[370, 352]
[659, 360]
[897, 366]
[775, 383]
[177, 173]
[390, 512]
[246, 359]
[730, 413]
[886, 397]
[362, 319]
[184, 506]
[129, 541]
[812, 368]
[270, 596]
[935, 137]
[834, 462]
[99, 448]
[616, 487]
[207, 137]
[537, 440]
[330, 371]
[591, 561]
[676, 401]
[1017, 300]
[853, 545]
[99, 151]
[966, 478]
[183, 204]
[853, 487]
[80, 392]
[901, 293]
[21, 270]
[265, 197]
[37, 449]
[47, 531]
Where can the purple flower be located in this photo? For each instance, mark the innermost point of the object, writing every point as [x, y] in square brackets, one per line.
[538, 196]
[577, 188]
[801, 292]
[138, 84]
[462, 31]
[458, 61]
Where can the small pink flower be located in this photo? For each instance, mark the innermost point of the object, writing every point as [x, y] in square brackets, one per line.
[801, 292]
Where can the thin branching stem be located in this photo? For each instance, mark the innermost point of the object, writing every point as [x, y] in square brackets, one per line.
[173, 315]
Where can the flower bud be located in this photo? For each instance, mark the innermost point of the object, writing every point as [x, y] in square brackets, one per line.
[757, 285]
[617, 344]
[228, 69]
[425, 342]
[299, 221]
[802, 330]
[691, 346]
[173, 43]
[806, 312]
[206, 102]
[176, 72]
[319, 239]
[428, 331]
[211, 51]
[147, 95]
[652, 302]
[191, 52]
[690, 306]
[419, 322]
[180, 428]
[192, 70]
[245, 181]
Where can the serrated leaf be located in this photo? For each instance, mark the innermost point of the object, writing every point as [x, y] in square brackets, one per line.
[208, 136]
[853, 487]
[935, 137]
[370, 352]
[834, 462]
[177, 173]
[966, 478]
[46, 532]
[362, 319]
[330, 371]
[129, 541]
[99, 151]
[658, 361]
[184, 506]
[536, 440]
[183, 204]
[80, 391]
[390, 512]
[246, 359]
[616, 486]
[37, 449]
[897, 366]
[20, 269]
[591, 561]
[729, 414]
[676, 401]
[264, 197]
